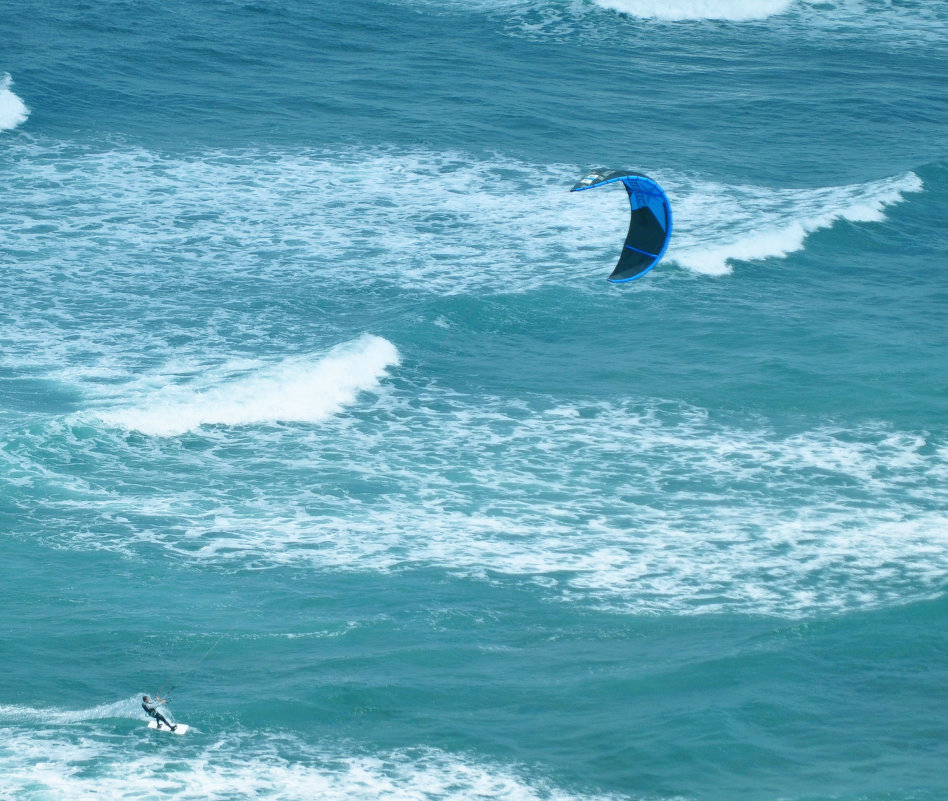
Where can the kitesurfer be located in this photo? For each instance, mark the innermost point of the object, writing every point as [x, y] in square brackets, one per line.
[151, 708]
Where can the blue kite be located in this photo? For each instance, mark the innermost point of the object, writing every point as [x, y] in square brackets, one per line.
[650, 227]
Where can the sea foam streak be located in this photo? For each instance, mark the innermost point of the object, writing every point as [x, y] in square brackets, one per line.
[296, 389]
[25, 715]
[12, 109]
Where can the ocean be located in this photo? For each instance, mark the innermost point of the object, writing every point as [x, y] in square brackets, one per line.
[320, 420]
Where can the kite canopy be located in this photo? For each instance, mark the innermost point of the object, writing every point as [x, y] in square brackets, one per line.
[650, 227]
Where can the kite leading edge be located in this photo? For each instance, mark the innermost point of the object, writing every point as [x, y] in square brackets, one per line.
[650, 227]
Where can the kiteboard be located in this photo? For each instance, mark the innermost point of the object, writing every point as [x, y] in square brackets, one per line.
[180, 728]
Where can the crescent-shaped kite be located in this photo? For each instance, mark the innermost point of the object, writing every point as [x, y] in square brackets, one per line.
[650, 227]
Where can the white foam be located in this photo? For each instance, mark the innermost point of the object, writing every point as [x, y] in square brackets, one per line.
[84, 767]
[13, 111]
[651, 508]
[440, 222]
[734, 10]
[429, 222]
[304, 389]
[717, 224]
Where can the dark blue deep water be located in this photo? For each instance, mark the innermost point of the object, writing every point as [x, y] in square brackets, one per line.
[319, 418]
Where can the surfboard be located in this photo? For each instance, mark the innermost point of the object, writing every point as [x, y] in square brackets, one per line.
[180, 728]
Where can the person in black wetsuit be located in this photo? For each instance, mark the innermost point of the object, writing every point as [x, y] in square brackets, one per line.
[151, 708]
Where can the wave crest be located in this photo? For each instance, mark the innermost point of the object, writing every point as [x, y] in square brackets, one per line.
[748, 223]
[13, 111]
[732, 10]
[298, 390]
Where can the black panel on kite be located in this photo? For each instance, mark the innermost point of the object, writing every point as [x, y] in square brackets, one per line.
[650, 227]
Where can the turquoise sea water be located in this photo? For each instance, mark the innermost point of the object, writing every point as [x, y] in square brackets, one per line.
[318, 415]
